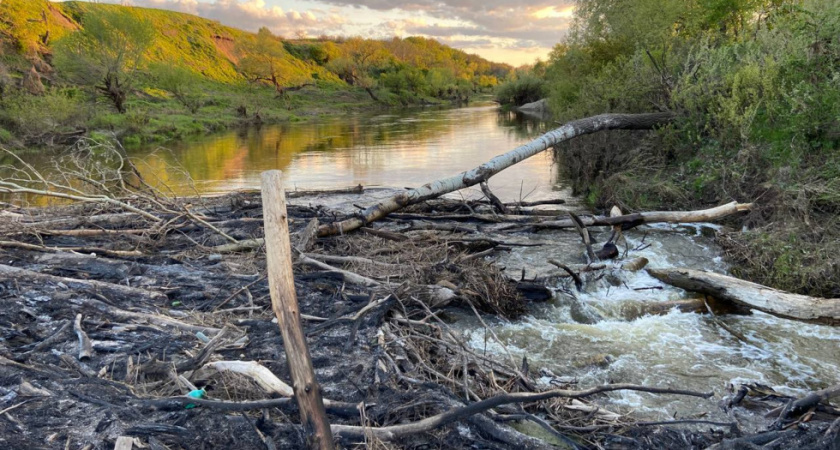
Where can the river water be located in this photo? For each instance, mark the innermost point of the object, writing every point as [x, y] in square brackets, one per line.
[397, 149]
[588, 335]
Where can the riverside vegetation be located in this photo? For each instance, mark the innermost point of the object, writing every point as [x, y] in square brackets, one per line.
[755, 89]
[149, 75]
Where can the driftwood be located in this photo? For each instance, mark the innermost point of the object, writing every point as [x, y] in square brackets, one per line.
[624, 222]
[752, 295]
[633, 220]
[392, 432]
[798, 407]
[281, 282]
[485, 171]
[253, 370]
[85, 347]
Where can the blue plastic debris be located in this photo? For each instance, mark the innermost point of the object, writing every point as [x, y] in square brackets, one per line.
[198, 393]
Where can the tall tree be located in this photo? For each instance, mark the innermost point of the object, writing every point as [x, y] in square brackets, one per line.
[106, 53]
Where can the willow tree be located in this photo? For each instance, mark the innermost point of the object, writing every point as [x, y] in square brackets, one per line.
[106, 53]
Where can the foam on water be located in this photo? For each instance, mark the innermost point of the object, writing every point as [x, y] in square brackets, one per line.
[677, 350]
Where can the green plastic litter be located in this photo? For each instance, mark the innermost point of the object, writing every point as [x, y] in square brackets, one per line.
[198, 393]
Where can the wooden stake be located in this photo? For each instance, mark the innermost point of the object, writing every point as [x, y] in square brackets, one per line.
[281, 284]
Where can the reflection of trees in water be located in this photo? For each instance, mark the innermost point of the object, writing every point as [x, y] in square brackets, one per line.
[520, 125]
[356, 147]
[229, 155]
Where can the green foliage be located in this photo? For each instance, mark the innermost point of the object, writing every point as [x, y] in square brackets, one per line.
[38, 118]
[521, 89]
[106, 53]
[181, 82]
[755, 85]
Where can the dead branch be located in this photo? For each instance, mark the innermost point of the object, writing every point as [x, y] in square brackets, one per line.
[253, 370]
[500, 207]
[342, 409]
[392, 432]
[797, 407]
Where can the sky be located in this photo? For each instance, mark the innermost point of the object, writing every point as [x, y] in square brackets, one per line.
[510, 31]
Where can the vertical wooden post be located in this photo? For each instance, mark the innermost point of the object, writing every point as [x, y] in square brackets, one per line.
[281, 284]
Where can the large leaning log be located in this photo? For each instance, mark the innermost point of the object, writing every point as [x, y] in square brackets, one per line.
[485, 171]
[752, 295]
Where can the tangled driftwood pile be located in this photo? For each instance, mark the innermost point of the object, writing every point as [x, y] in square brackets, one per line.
[117, 307]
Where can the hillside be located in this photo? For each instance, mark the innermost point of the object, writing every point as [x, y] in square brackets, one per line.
[221, 75]
[205, 46]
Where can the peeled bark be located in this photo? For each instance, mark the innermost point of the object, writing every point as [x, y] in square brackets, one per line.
[752, 295]
[496, 165]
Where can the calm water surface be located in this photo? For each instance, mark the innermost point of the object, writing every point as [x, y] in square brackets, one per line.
[392, 150]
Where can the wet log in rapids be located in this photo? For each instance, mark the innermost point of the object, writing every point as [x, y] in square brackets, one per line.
[752, 295]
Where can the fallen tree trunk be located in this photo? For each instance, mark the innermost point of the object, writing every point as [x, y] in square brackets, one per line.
[752, 295]
[633, 220]
[496, 165]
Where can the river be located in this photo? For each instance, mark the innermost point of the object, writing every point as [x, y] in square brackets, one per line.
[409, 148]
[397, 149]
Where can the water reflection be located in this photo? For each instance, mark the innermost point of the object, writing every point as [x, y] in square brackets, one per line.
[404, 149]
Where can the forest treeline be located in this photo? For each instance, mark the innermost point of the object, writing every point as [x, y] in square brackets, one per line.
[755, 87]
[153, 74]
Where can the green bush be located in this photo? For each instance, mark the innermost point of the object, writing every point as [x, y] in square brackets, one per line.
[38, 118]
[520, 90]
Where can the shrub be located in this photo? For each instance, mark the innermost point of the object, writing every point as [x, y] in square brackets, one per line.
[521, 90]
[37, 118]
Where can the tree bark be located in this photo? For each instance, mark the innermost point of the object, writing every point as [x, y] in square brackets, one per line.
[752, 295]
[496, 165]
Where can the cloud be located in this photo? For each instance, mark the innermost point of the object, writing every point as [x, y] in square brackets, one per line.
[253, 14]
[466, 24]
[522, 24]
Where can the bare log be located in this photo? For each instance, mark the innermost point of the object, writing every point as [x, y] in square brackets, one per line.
[632, 220]
[752, 295]
[350, 277]
[85, 347]
[343, 409]
[496, 165]
[281, 284]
